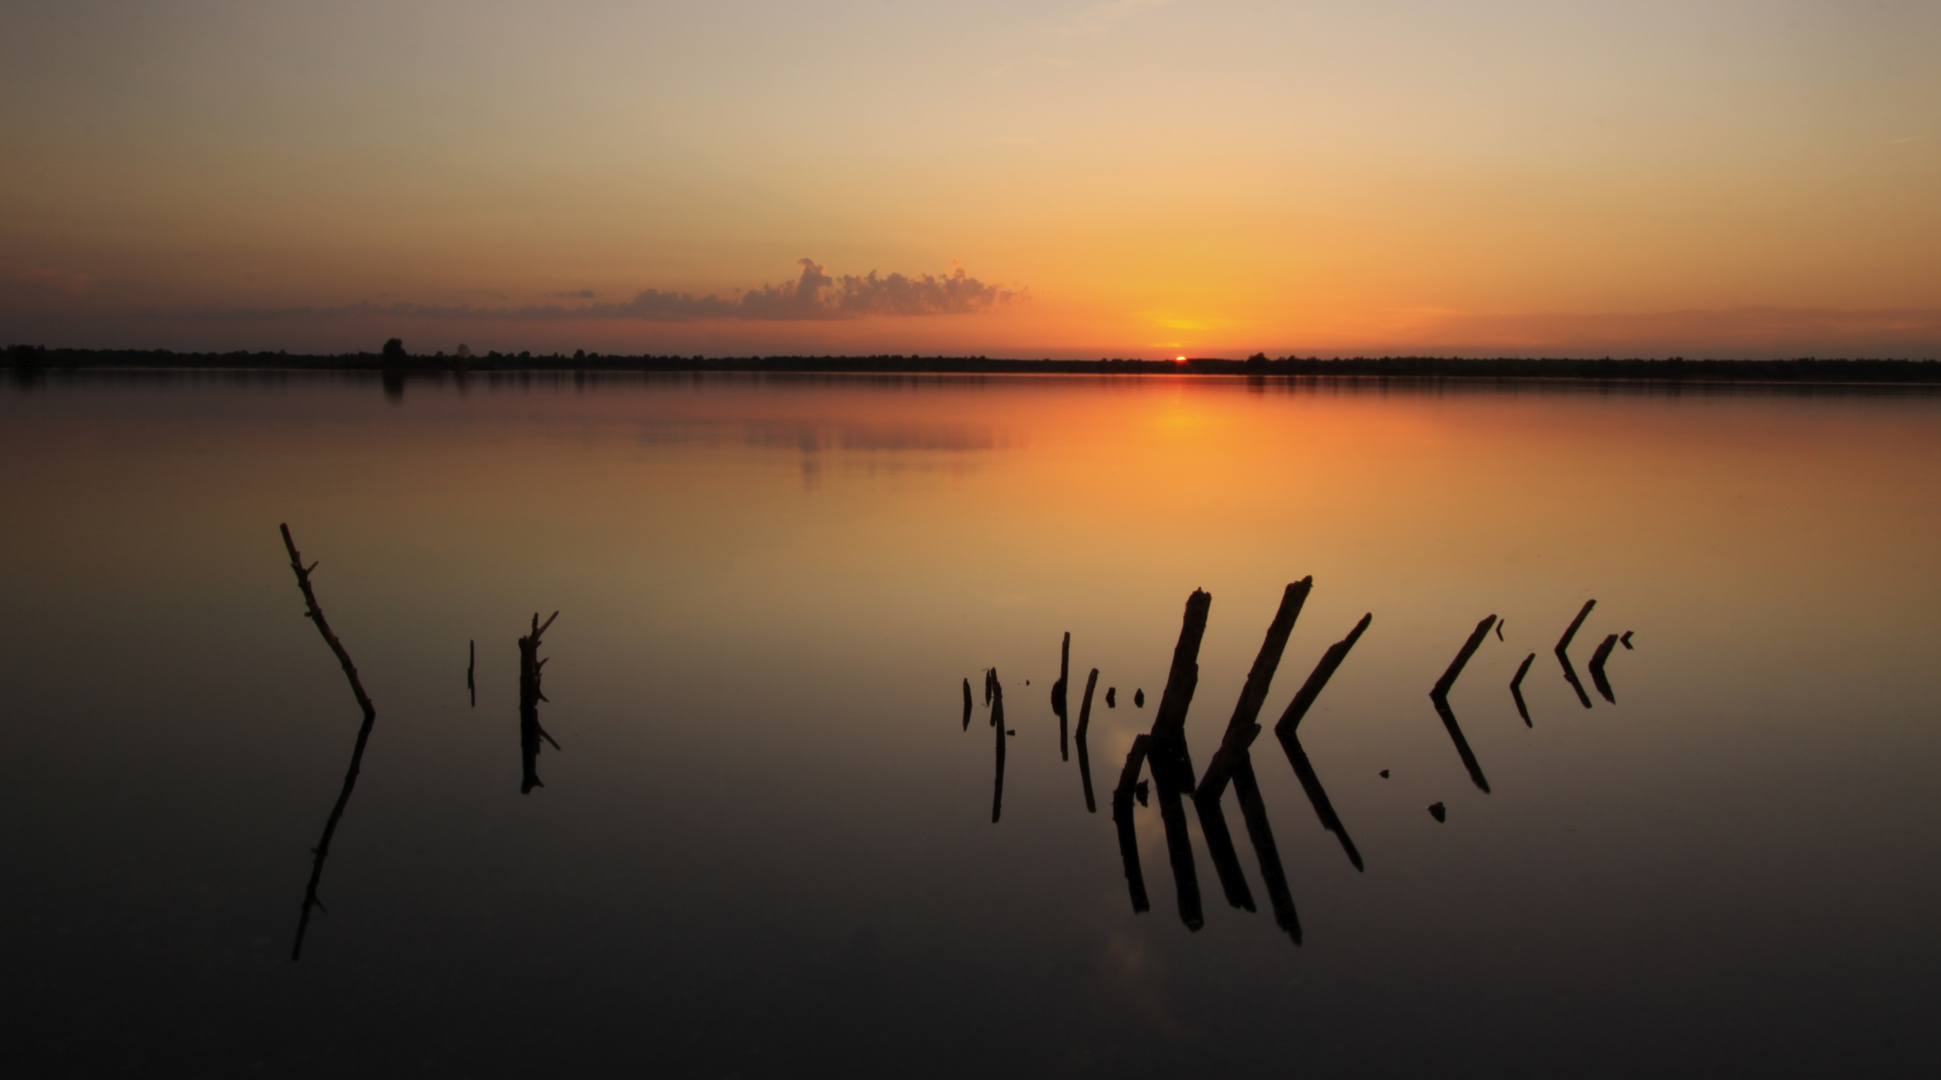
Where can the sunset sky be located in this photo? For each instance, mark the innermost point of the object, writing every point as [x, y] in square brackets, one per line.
[1073, 179]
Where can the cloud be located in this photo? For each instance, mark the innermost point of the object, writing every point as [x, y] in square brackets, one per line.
[576, 294]
[812, 296]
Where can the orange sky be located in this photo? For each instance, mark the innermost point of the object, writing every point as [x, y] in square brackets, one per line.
[1129, 178]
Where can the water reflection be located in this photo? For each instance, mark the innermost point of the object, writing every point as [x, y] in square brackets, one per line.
[322, 851]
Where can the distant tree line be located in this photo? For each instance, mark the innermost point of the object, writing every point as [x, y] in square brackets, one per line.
[393, 360]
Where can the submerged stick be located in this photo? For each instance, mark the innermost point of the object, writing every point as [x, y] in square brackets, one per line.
[1516, 688]
[1243, 726]
[529, 698]
[1058, 694]
[471, 664]
[997, 722]
[1317, 680]
[967, 703]
[322, 851]
[1184, 675]
[1085, 721]
[1598, 659]
[1563, 654]
[1448, 680]
[1583, 613]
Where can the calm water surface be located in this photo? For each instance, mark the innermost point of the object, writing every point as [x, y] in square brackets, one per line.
[765, 847]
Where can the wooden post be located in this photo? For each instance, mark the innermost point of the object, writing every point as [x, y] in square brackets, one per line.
[1184, 676]
[1563, 654]
[1167, 753]
[1317, 680]
[471, 664]
[1516, 689]
[1598, 659]
[530, 667]
[997, 721]
[1058, 703]
[1448, 680]
[967, 703]
[1085, 721]
[322, 851]
[1243, 726]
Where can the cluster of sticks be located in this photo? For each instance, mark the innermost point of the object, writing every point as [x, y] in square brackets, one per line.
[530, 733]
[1163, 751]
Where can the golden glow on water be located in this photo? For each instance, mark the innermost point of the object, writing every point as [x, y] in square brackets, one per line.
[771, 591]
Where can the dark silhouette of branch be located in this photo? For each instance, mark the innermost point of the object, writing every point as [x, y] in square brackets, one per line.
[1084, 721]
[1563, 655]
[530, 667]
[322, 850]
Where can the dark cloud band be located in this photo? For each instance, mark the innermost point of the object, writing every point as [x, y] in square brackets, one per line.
[814, 295]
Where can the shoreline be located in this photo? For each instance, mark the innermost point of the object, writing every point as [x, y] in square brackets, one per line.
[27, 361]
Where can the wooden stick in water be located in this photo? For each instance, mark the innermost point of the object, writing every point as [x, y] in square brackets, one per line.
[1085, 759]
[1318, 679]
[1448, 680]
[322, 851]
[530, 696]
[1563, 654]
[1242, 727]
[1058, 702]
[1516, 689]
[1598, 660]
[997, 721]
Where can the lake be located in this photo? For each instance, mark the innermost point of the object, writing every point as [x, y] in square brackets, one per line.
[764, 843]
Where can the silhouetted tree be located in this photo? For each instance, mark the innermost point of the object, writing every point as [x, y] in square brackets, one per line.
[394, 351]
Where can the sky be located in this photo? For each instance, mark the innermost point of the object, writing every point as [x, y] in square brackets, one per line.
[1137, 178]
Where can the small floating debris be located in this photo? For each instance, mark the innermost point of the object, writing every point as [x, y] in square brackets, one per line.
[1011, 731]
[1499, 628]
[1626, 639]
[1436, 811]
[1384, 774]
[1111, 697]
[1139, 699]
